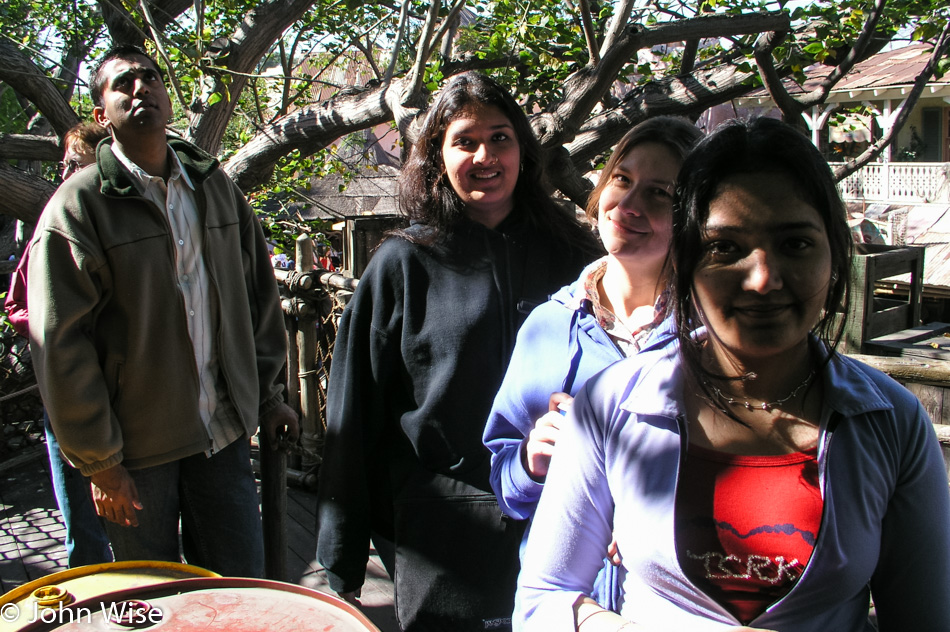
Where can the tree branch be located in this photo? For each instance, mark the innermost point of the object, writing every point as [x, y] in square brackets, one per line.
[857, 53]
[423, 47]
[764, 45]
[26, 194]
[588, 27]
[30, 147]
[585, 88]
[256, 34]
[309, 129]
[31, 82]
[688, 61]
[676, 96]
[448, 25]
[617, 25]
[160, 46]
[400, 35]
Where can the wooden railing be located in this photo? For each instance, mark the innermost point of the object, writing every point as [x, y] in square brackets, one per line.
[912, 182]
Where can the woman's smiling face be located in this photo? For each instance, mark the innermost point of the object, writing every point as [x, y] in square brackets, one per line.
[765, 269]
[635, 216]
[482, 159]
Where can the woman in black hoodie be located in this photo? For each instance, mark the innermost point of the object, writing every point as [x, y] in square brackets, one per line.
[422, 348]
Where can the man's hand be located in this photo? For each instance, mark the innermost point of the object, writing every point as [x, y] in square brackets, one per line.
[115, 495]
[280, 421]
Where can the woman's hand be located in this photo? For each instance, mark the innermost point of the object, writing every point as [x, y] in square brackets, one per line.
[352, 597]
[538, 447]
[613, 552]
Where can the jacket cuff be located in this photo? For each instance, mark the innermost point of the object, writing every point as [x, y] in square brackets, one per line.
[88, 469]
[273, 402]
[340, 585]
[522, 481]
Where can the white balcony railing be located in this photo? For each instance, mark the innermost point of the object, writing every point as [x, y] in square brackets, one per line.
[895, 182]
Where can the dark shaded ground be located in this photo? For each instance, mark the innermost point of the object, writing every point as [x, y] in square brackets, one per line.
[31, 532]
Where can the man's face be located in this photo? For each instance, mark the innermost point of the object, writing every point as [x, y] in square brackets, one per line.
[134, 97]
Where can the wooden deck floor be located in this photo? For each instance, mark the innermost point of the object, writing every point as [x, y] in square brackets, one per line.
[31, 537]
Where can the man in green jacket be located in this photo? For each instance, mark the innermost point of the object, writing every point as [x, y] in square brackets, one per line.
[156, 333]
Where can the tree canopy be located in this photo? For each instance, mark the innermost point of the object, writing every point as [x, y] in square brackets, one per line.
[270, 85]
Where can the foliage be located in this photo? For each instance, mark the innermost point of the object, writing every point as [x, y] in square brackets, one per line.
[13, 119]
[913, 150]
[6, 327]
[284, 201]
[330, 48]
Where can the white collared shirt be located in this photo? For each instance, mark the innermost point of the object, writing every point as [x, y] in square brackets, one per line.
[177, 198]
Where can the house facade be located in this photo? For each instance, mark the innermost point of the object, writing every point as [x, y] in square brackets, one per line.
[903, 197]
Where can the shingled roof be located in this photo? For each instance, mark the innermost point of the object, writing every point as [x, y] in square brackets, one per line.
[886, 75]
[372, 192]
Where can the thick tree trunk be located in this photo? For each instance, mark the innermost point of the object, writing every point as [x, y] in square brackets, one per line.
[29, 147]
[260, 29]
[31, 82]
[308, 130]
[24, 195]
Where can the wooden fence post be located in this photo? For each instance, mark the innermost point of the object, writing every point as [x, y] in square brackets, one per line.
[273, 509]
[311, 435]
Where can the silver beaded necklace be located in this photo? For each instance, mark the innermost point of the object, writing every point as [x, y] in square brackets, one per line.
[766, 406]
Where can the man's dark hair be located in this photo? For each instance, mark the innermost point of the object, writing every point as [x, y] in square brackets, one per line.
[120, 51]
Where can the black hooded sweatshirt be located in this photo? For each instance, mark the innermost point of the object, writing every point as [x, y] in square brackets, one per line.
[421, 351]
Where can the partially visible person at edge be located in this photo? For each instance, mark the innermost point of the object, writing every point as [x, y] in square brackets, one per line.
[421, 351]
[86, 540]
[751, 475]
[619, 306]
[156, 333]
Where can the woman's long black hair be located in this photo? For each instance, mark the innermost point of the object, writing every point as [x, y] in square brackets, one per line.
[426, 196]
[759, 145]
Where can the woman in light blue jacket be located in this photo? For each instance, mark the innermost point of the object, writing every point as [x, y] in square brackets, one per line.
[618, 307]
[751, 477]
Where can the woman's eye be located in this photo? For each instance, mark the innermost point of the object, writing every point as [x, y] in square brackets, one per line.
[720, 248]
[797, 243]
[620, 179]
[500, 137]
[661, 192]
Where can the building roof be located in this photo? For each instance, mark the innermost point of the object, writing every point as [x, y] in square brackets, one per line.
[372, 192]
[887, 75]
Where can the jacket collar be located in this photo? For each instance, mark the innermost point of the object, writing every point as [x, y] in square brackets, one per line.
[117, 181]
[849, 389]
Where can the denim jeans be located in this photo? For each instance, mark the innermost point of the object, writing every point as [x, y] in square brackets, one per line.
[216, 501]
[86, 539]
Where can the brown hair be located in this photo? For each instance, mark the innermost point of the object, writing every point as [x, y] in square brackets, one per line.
[676, 134]
[89, 134]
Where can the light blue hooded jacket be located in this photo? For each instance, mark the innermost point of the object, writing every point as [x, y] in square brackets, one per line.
[559, 347]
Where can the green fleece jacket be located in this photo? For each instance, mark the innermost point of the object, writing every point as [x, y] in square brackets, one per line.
[108, 328]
